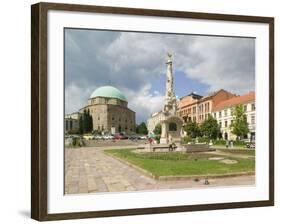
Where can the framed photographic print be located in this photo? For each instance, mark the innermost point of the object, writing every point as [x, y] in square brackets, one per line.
[139, 111]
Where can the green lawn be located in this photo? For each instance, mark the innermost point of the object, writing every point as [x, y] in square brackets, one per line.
[176, 163]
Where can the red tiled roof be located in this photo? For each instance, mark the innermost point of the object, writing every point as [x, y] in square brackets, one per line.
[235, 101]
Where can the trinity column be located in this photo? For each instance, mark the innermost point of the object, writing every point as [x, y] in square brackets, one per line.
[171, 125]
[170, 99]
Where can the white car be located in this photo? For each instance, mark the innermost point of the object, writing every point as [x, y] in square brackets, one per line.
[88, 137]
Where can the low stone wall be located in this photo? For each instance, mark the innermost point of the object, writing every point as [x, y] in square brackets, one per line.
[178, 148]
[197, 148]
[106, 143]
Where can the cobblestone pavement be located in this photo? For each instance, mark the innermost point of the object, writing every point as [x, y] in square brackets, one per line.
[89, 170]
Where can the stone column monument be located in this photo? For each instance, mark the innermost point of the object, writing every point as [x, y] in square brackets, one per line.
[170, 99]
[172, 124]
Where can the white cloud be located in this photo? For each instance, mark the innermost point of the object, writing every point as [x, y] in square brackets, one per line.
[75, 97]
[144, 103]
[130, 60]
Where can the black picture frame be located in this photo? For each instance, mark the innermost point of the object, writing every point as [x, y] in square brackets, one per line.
[39, 106]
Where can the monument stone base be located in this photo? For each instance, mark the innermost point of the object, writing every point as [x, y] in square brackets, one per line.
[164, 141]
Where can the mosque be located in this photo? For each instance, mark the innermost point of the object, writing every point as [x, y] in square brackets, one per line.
[109, 109]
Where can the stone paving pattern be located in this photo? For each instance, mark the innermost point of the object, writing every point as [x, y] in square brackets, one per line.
[89, 170]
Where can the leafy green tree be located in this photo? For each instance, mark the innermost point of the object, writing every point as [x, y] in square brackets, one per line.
[210, 128]
[142, 129]
[192, 129]
[158, 129]
[90, 123]
[81, 129]
[85, 122]
[239, 127]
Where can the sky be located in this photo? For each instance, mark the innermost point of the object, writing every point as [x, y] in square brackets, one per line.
[134, 62]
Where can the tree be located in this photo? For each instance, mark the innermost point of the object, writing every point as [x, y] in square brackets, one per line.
[90, 123]
[142, 129]
[81, 129]
[239, 126]
[85, 122]
[192, 129]
[210, 128]
[158, 129]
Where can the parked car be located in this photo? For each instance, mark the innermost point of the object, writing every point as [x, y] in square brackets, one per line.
[251, 145]
[119, 136]
[98, 137]
[88, 137]
[107, 137]
[134, 137]
[143, 137]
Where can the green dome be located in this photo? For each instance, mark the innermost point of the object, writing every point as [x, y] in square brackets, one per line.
[109, 92]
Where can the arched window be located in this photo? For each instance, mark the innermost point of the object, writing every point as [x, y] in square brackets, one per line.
[172, 126]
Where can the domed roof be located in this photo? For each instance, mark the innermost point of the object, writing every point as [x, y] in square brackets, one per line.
[109, 92]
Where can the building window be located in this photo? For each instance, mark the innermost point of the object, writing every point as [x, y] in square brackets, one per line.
[225, 113]
[66, 124]
[253, 119]
[220, 124]
[215, 115]
[194, 110]
[98, 118]
[245, 108]
[220, 114]
[253, 107]
[113, 118]
[225, 124]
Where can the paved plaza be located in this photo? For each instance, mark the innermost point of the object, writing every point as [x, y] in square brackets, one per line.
[89, 170]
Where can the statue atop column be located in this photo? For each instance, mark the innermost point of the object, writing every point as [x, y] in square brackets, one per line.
[170, 99]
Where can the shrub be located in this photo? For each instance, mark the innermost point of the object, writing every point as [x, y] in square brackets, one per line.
[203, 140]
[219, 142]
[76, 141]
[187, 139]
[239, 143]
[157, 138]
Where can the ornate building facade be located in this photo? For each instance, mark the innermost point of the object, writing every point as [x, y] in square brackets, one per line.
[197, 108]
[71, 122]
[223, 113]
